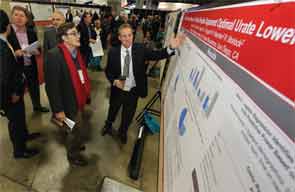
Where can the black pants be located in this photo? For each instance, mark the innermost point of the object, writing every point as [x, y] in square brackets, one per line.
[76, 137]
[17, 127]
[129, 102]
[31, 73]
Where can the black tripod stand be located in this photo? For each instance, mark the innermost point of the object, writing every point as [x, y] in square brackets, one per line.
[135, 161]
[148, 107]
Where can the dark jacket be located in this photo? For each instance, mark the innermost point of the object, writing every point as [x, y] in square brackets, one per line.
[69, 17]
[139, 55]
[59, 86]
[50, 41]
[84, 37]
[11, 76]
[32, 37]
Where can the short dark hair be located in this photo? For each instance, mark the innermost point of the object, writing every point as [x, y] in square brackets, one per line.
[4, 21]
[85, 15]
[63, 29]
[20, 8]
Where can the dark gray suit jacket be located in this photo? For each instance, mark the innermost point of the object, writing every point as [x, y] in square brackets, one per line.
[50, 41]
[59, 86]
[140, 54]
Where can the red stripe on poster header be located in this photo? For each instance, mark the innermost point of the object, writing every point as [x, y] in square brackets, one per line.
[260, 38]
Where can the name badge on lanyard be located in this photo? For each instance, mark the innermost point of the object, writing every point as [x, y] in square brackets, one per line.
[81, 76]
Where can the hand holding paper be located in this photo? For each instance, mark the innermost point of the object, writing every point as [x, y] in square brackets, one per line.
[32, 49]
[63, 123]
[70, 123]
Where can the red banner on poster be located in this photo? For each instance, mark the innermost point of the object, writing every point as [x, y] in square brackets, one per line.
[260, 38]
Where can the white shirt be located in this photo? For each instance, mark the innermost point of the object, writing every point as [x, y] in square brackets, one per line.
[130, 81]
[76, 20]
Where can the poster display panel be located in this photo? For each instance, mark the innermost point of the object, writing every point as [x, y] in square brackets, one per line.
[41, 12]
[229, 104]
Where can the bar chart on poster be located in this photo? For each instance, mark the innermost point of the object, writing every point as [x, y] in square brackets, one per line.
[228, 107]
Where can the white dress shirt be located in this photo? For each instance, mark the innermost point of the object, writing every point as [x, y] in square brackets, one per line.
[130, 81]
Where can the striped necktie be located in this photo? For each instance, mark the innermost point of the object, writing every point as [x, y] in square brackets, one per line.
[126, 64]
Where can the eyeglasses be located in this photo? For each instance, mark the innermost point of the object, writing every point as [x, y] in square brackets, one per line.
[77, 34]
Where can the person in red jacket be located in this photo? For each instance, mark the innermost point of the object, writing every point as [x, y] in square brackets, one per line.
[68, 88]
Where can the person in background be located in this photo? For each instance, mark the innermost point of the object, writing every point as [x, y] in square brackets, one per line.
[149, 44]
[147, 24]
[68, 88]
[88, 36]
[69, 16]
[160, 38]
[126, 73]
[94, 17]
[121, 19]
[50, 34]
[12, 94]
[106, 31]
[155, 26]
[139, 37]
[133, 23]
[97, 27]
[21, 37]
[95, 60]
[77, 18]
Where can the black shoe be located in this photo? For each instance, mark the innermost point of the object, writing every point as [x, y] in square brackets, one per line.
[26, 154]
[82, 148]
[41, 109]
[79, 161]
[88, 101]
[107, 130]
[33, 136]
[123, 138]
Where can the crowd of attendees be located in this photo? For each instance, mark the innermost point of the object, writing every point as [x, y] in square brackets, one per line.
[109, 24]
[68, 49]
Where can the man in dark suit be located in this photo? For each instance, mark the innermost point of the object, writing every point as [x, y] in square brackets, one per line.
[126, 71]
[20, 37]
[68, 88]
[12, 91]
[50, 34]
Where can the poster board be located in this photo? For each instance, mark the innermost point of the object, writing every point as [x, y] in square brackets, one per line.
[171, 25]
[228, 122]
[41, 12]
[25, 5]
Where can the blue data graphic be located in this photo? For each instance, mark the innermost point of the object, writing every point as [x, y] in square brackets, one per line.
[206, 97]
[181, 125]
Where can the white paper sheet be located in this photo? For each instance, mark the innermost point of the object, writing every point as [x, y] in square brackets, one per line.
[70, 123]
[96, 48]
[30, 49]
